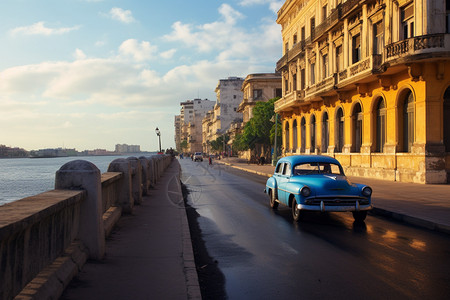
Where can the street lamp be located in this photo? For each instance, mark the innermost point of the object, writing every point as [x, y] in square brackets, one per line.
[158, 133]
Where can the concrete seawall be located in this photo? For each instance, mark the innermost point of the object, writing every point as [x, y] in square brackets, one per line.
[47, 238]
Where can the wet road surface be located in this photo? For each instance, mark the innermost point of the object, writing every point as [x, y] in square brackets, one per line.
[264, 255]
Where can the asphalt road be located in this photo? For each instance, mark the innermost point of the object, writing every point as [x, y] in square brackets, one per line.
[262, 254]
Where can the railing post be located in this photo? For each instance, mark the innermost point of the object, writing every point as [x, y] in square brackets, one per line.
[125, 196]
[81, 174]
[136, 179]
[145, 174]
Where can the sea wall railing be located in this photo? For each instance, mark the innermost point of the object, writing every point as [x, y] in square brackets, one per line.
[45, 239]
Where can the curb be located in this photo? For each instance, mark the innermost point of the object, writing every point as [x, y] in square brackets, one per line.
[189, 267]
[379, 211]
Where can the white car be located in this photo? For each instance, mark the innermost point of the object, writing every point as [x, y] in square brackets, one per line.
[198, 156]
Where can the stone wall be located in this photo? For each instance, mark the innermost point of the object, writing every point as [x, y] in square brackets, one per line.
[47, 238]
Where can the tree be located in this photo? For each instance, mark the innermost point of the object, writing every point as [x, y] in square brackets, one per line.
[183, 145]
[218, 144]
[260, 129]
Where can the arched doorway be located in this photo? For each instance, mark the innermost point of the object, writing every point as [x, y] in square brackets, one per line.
[303, 135]
[313, 132]
[294, 136]
[325, 133]
[380, 125]
[357, 123]
[286, 137]
[339, 136]
[446, 110]
[406, 121]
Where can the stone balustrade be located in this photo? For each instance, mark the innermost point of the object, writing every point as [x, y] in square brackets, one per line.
[45, 239]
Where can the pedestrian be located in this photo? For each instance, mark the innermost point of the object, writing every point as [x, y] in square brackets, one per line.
[210, 160]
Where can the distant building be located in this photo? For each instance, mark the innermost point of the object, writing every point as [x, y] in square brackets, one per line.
[229, 96]
[188, 125]
[177, 137]
[124, 148]
[259, 87]
[8, 152]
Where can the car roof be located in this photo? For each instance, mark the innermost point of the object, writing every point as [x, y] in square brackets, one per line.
[298, 159]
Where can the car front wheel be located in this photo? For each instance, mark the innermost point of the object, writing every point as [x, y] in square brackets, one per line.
[297, 214]
[359, 216]
[273, 200]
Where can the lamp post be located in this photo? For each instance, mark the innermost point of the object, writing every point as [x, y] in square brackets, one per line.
[158, 133]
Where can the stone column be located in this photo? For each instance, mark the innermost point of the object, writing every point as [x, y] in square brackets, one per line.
[136, 179]
[124, 189]
[83, 175]
[145, 175]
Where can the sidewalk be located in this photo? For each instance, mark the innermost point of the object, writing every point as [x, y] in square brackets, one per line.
[149, 256]
[422, 205]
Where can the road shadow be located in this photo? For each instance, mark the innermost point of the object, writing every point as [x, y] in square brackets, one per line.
[211, 279]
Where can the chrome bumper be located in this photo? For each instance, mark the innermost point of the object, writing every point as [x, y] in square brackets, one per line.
[323, 208]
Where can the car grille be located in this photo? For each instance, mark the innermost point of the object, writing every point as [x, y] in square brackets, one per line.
[337, 201]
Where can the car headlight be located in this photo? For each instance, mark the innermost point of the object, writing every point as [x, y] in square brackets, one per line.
[305, 191]
[367, 191]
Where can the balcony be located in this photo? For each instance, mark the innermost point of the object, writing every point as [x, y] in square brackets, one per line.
[292, 99]
[329, 22]
[323, 86]
[295, 51]
[361, 69]
[419, 45]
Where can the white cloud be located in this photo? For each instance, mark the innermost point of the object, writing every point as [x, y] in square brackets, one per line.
[39, 28]
[230, 41]
[168, 54]
[139, 51]
[119, 14]
[79, 54]
[273, 4]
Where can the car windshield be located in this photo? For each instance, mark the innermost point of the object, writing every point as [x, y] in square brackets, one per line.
[315, 168]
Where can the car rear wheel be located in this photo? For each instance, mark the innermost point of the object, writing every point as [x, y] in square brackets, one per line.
[297, 214]
[273, 199]
[359, 216]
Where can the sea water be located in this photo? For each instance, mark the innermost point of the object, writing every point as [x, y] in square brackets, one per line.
[24, 177]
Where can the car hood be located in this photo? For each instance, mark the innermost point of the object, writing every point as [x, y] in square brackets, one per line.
[327, 184]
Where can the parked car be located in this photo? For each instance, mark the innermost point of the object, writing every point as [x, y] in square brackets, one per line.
[198, 156]
[316, 183]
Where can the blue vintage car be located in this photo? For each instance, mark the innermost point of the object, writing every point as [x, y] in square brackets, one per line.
[316, 183]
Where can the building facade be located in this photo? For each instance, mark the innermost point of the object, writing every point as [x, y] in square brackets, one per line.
[368, 82]
[229, 96]
[260, 87]
[257, 88]
[191, 115]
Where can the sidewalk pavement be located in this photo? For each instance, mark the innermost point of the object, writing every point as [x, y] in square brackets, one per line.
[423, 205]
[149, 255]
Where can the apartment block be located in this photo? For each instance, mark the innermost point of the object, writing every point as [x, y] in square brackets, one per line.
[191, 115]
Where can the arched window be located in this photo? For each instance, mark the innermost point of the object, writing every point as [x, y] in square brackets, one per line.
[339, 136]
[357, 122]
[313, 133]
[286, 136]
[294, 138]
[303, 135]
[447, 120]
[325, 133]
[380, 126]
[406, 122]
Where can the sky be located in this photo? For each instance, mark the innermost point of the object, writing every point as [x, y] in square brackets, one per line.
[90, 74]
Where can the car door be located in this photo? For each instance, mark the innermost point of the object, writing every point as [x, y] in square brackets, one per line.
[284, 178]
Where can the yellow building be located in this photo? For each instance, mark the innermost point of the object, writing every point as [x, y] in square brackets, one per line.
[368, 82]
